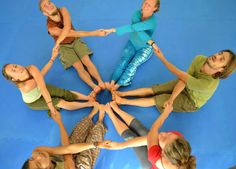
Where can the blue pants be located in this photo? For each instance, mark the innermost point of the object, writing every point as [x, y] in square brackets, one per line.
[130, 61]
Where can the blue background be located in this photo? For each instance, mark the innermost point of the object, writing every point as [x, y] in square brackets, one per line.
[185, 29]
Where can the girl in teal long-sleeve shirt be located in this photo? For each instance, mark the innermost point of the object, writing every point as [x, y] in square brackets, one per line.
[136, 51]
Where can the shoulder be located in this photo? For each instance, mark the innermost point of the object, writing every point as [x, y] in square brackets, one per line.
[63, 10]
[200, 57]
[32, 69]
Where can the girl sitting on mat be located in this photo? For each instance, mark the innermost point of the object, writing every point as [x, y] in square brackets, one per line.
[136, 51]
[40, 96]
[82, 143]
[156, 150]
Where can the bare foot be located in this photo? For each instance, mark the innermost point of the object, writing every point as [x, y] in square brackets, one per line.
[114, 105]
[101, 112]
[113, 83]
[108, 85]
[97, 89]
[108, 108]
[102, 85]
[116, 87]
[119, 93]
[92, 95]
[117, 98]
[95, 104]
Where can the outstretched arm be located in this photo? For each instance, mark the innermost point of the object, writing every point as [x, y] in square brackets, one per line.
[179, 73]
[64, 140]
[152, 137]
[69, 149]
[72, 33]
[135, 142]
[48, 66]
[147, 24]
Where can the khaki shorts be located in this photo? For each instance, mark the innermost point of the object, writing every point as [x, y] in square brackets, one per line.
[182, 103]
[71, 53]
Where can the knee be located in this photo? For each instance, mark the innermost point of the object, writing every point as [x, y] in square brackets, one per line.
[80, 68]
[86, 61]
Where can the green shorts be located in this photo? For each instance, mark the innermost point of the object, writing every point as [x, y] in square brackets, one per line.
[56, 94]
[182, 103]
[71, 53]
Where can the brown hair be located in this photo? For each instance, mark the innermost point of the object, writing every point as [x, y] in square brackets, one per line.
[157, 5]
[4, 73]
[229, 68]
[40, 2]
[179, 154]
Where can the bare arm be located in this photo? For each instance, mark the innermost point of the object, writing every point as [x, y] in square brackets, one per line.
[64, 140]
[179, 73]
[152, 137]
[67, 25]
[69, 149]
[48, 66]
[179, 87]
[135, 142]
[72, 33]
[38, 77]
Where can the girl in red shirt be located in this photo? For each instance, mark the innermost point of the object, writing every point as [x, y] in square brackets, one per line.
[164, 150]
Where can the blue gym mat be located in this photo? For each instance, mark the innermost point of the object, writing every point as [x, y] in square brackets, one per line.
[185, 29]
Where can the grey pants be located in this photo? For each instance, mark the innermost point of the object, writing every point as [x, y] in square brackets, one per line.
[136, 129]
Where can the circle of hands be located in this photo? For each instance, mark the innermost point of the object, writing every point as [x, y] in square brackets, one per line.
[112, 87]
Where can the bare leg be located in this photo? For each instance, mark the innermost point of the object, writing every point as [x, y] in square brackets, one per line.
[108, 85]
[84, 74]
[116, 87]
[80, 96]
[93, 70]
[113, 83]
[101, 112]
[74, 105]
[119, 125]
[141, 102]
[137, 92]
[93, 112]
[124, 115]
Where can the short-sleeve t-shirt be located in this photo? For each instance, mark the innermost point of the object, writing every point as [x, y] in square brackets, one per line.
[200, 86]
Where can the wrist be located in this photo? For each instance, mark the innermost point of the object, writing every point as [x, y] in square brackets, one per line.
[51, 60]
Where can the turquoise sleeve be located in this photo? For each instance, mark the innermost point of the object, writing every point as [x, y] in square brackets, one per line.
[144, 36]
[141, 26]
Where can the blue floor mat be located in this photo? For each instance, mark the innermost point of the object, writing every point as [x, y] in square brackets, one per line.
[184, 30]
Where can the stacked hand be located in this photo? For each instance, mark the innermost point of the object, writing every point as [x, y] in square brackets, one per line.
[108, 144]
[56, 117]
[104, 32]
[168, 105]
